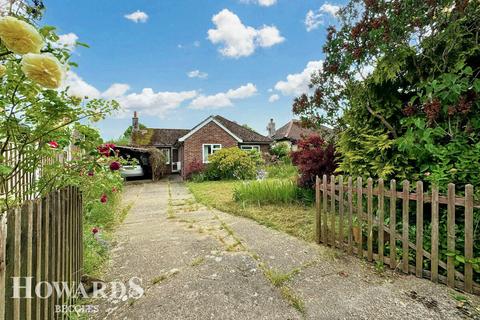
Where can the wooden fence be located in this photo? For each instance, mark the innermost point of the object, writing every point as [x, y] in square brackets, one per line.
[41, 239]
[352, 217]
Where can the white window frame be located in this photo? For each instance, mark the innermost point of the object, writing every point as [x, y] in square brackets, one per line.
[249, 147]
[219, 147]
[168, 154]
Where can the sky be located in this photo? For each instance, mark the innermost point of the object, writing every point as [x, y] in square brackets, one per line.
[176, 62]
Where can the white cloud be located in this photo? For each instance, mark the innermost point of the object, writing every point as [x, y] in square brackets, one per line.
[196, 43]
[223, 99]
[68, 40]
[116, 90]
[314, 19]
[147, 101]
[238, 39]
[197, 74]
[137, 16]
[297, 84]
[273, 98]
[263, 3]
[154, 103]
[78, 87]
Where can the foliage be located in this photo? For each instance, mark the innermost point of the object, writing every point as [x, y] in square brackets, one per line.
[32, 116]
[401, 78]
[270, 191]
[126, 138]
[158, 163]
[280, 149]
[314, 157]
[282, 171]
[256, 156]
[231, 163]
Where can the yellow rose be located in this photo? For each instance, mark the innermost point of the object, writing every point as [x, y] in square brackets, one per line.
[3, 70]
[44, 69]
[19, 36]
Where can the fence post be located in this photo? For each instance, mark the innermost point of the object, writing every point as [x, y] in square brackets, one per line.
[381, 219]
[17, 262]
[318, 218]
[29, 260]
[468, 237]
[434, 250]
[451, 235]
[38, 253]
[360, 216]
[419, 229]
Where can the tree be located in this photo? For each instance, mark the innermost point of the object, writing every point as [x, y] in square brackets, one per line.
[400, 78]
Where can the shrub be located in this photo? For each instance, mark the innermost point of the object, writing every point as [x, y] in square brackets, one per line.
[272, 191]
[231, 163]
[314, 157]
[281, 150]
[158, 162]
[256, 157]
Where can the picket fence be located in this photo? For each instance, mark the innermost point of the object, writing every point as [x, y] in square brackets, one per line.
[41, 239]
[352, 217]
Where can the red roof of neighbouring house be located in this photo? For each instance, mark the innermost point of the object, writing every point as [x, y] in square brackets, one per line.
[294, 131]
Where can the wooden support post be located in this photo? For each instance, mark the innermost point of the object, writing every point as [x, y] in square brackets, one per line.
[381, 219]
[434, 244]
[325, 205]
[468, 237]
[360, 216]
[332, 211]
[341, 239]
[393, 224]
[350, 215]
[318, 212]
[451, 235]
[370, 219]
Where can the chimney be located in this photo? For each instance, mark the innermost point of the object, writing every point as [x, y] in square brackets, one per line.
[135, 126]
[271, 128]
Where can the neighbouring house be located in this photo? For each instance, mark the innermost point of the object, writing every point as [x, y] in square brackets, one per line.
[292, 132]
[185, 148]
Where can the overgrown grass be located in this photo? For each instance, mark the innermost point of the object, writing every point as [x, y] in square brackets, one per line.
[282, 171]
[293, 218]
[271, 191]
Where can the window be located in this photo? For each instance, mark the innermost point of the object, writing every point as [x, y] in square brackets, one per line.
[166, 153]
[250, 147]
[209, 149]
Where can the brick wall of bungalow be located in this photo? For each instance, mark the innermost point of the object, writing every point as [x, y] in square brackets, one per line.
[193, 146]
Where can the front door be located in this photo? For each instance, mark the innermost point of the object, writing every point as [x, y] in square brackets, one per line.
[176, 164]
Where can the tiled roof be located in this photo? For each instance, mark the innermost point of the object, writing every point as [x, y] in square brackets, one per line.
[157, 137]
[247, 135]
[169, 137]
[294, 131]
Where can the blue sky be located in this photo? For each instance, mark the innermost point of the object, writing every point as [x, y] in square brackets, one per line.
[178, 61]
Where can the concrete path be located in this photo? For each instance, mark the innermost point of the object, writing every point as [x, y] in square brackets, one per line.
[198, 263]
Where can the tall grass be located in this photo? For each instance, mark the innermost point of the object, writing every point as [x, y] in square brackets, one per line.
[270, 191]
[282, 171]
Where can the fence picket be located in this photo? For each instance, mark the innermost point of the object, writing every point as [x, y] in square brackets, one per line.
[405, 225]
[350, 215]
[332, 210]
[360, 216]
[468, 237]
[318, 212]
[38, 253]
[29, 260]
[381, 219]
[393, 224]
[419, 231]
[434, 244]
[17, 257]
[325, 211]
[370, 219]
[3, 260]
[340, 211]
[451, 235]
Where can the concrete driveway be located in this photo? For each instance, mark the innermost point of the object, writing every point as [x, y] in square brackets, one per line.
[198, 263]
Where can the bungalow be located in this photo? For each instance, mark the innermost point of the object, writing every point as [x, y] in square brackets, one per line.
[292, 132]
[185, 148]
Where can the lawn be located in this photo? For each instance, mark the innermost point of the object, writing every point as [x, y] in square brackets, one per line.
[294, 219]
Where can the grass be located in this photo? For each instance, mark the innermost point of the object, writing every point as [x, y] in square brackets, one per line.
[282, 171]
[293, 218]
[270, 191]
